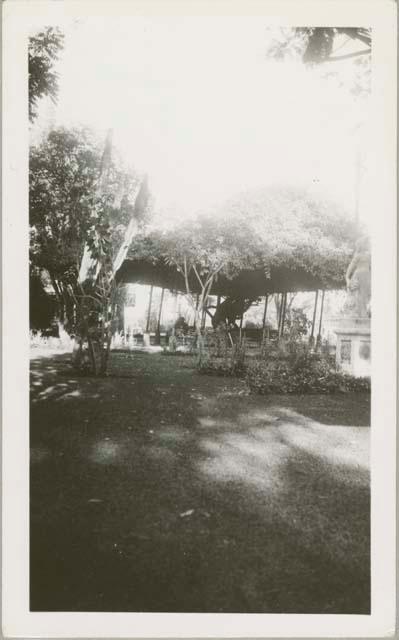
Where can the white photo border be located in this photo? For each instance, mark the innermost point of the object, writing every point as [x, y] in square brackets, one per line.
[19, 17]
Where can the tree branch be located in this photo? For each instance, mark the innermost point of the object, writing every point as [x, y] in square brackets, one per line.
[85, 295]
[348, 55]
[212, 275]
[292, 298]
[207, 288]
[356, 34]
[199, 279]
[186, 277]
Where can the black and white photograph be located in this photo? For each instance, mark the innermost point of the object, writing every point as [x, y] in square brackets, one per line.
[199, 252]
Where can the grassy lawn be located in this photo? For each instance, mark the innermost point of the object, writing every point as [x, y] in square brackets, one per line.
[159, 489]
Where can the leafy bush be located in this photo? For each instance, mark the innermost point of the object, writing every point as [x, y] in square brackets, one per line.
[296, 323]
[294, 368]
[177, 352]
[222, 367]
[230, 363]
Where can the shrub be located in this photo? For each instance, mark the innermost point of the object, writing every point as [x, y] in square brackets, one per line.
[230, 363]
[178, 352]
[294, 368]
[297, 323]
[221, 367]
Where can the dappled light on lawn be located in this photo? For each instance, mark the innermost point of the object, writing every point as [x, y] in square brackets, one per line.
[238, 457]
[105, 452]
[38, 454]
[296, 474]
[171, 435]
[173, 492]
[349, 446]
[257, 455]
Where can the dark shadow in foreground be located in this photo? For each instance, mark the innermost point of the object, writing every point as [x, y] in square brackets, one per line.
[172, 492]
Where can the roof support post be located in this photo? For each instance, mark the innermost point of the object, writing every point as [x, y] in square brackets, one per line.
[283, 305]
[318, 342]
[265, 312]
[311, 339]
[158, 335]
[283, 313]
[149, 310]
[278, 305]
[196, 318]
[264, 319]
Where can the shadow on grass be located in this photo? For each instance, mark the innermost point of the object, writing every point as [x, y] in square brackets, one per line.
[170, 495]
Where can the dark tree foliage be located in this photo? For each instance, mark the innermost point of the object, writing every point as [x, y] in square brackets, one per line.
[318, 45]
[320, 42]
[44, 49]
[65, 209]
[63, 170]
[231, 310]
[42, 305]
[315, 44]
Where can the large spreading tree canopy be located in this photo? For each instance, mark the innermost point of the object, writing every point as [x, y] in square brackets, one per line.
[263, 231]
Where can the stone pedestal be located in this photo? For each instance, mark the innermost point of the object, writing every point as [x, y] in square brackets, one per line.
[353, 354]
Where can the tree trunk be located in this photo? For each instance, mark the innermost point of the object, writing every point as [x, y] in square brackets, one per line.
[105, 350]
[93, 356]
[60, 301]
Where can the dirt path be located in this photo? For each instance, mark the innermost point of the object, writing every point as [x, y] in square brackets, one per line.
[158, 489]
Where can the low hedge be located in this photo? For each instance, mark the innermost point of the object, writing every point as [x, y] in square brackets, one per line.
[222, 367]
[312, 375]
